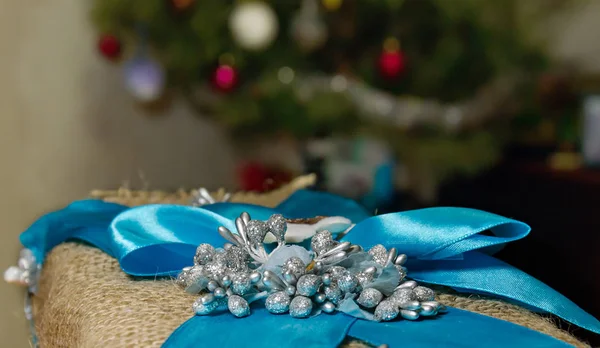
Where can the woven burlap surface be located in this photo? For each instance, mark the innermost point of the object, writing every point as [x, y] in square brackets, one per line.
[85, 300]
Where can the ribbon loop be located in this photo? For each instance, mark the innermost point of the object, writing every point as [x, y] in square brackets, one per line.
[437, 233]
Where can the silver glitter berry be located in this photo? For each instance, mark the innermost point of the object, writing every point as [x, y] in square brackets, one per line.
[379, 254]
[321, 242]
[236, 258]
[241, 284]
[277, 226]
[402, 295]
[278, 302]
[369, 298]
[217, 270]
[256, 231]
[300, 307]
[333, 293]
[204, 309]
[182, 278]
[364, 278]
[238, 306]
[336, 272]
[424, 294]
[347, 282]
[308, 285]
[385, 311]
[295, 265]
[204, 254]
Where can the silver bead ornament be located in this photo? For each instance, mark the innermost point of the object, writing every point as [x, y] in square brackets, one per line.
[241, 284]
[295, 266]
[333, 293]
[400, 296]
[207, 299]
[216, 270]
[364, 278]
[428, 311]
[386, 311]
[238, 306]
[326, 278]
[277, 226]
[401, 259]
[347, 282]
[301, 307]
[203, 197]
[409, 315]
[255, 277]
[181, 280]
[379, 254]
[290, 290]
[321, 242]
[369, 298]
[320, 298]
[308, 285]
[212, 285]
[219, 292]
[424, 294]
[204, 254]
[226, 281]
[328, 307]
[290, 278]
[410, 305]
[409, 284]
[336, 272]
[278, 302]
[204, 309]
[256, 231]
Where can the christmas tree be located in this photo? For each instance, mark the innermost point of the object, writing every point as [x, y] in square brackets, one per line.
[438, 79]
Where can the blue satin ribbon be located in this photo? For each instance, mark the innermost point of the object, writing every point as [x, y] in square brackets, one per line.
[445, 247]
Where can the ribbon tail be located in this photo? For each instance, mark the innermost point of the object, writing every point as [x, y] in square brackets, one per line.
[482, 273]
[261, 329]
[87, 220]
[456, 328]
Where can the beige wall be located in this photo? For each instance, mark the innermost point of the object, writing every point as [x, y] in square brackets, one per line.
[66, 126]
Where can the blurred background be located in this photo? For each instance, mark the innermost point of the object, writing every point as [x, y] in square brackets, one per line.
[399, 104]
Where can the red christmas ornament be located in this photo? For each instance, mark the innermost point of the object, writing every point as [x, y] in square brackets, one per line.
[256, 177]
[181, 5]
[109, 46]
[391, 61]
[225, 78]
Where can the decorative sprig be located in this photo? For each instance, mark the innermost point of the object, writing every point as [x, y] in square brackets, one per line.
[241, 272]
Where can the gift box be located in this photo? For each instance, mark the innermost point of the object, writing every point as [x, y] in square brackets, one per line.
[84, 299]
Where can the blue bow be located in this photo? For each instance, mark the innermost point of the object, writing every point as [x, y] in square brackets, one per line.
[445, 247]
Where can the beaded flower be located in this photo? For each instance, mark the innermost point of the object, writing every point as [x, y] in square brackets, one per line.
[332, 276]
